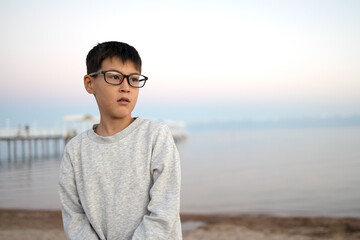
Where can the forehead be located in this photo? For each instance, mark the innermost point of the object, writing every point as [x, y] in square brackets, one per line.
[116, 63]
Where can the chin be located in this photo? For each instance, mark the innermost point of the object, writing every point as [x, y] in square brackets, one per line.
[121, 116]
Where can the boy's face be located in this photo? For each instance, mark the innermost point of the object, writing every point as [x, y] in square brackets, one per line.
[114, 101]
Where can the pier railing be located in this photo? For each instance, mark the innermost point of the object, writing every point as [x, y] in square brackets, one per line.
[33, 143]
[28, 147]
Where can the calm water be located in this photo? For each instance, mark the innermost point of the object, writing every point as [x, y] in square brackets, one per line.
[310, 171]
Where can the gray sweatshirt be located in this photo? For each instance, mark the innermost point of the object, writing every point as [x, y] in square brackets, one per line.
[125, 186]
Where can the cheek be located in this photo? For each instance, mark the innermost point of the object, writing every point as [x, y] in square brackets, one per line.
[136, 95]
[134, 99]
[103, 95]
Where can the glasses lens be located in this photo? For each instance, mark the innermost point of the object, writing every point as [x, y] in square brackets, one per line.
[137, 80]
[114, 77]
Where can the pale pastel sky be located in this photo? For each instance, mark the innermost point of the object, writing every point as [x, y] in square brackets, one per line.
[277, 57]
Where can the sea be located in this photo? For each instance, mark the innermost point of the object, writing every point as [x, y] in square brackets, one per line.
[230, 168]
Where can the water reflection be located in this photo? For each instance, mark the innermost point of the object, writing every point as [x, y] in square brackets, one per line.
[276, 171]
[30, 184]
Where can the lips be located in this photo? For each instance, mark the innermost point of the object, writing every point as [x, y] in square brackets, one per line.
[124, 100]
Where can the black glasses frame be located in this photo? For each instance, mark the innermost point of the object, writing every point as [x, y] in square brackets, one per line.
[125, 76]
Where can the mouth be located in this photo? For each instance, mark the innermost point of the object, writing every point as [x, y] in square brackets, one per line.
[123, 100]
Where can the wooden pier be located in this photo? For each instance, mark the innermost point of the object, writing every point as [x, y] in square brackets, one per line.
[24, 145]
[29, 147]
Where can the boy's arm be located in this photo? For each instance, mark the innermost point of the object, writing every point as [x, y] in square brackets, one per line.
[164, 206]
[76, 223]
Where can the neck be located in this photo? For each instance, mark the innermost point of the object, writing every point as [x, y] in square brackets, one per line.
[109, 127]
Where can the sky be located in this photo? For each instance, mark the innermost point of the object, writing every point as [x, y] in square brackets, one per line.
[206, 60]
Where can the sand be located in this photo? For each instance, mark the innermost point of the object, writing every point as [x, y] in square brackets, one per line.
[41, 225]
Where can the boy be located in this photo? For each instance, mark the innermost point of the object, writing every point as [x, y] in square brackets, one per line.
[121, 179]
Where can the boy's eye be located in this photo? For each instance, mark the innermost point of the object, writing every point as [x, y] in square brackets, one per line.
[134, 79]
[117, 77]
[114, 76]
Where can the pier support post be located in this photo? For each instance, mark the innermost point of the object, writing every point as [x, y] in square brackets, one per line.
[23, 148]
[14, 149]
[9, 149]
[30, 149]
[43, 147]
[35, 147]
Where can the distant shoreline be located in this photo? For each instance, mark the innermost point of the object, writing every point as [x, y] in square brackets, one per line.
[47, 224]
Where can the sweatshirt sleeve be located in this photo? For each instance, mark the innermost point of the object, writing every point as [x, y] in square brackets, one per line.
[163, 220]
[76, 223]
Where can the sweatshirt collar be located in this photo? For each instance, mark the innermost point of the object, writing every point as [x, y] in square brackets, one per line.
[116, 137]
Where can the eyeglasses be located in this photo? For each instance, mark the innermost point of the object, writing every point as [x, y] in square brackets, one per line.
[114, 77]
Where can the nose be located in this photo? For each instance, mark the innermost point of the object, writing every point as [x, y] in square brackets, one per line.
[124, 86]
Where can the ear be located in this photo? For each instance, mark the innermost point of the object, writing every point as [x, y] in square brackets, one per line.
[89, 84]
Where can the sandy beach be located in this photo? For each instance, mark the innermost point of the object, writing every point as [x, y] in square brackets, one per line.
[47, 225]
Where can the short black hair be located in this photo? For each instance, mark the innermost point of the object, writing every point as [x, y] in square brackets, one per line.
[104, 50]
